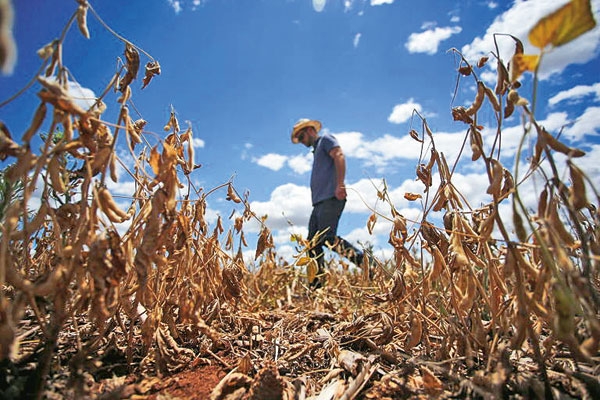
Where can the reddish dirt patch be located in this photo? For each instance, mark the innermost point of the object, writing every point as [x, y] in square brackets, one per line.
[193, 384]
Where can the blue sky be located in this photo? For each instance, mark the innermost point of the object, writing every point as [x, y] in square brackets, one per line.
[241, 72]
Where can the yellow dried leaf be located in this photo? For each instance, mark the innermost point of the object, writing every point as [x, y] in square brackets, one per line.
[311, 270]
[302, 261]
[564, 25]
[521, 63]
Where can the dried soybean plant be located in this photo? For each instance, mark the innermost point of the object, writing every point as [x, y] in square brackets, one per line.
[524, 282]
[74, 259]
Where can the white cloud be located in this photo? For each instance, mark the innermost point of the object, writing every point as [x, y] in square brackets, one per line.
[198, 143]
[518, 21]
[380, 2]
[429, 41]
[83, 97]
[492, 5]
[176, 5]
[587, 124]
[403, 112]
[576, 93]
[356, 40]
[300, 164]
[272, 161]
[288, 204]
[319, 5]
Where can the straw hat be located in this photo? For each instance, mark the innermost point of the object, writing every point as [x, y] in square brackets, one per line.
[303, 123]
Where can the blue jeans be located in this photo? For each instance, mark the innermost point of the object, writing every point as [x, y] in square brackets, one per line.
[325, 217]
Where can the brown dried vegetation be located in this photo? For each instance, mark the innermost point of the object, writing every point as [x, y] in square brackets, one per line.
[101, 298]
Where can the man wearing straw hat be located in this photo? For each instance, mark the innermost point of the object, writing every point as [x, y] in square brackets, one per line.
[328, 192]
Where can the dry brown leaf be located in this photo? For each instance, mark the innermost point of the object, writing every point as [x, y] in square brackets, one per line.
[412, 196]
[431, 383]
[152, 69]
[133, 64]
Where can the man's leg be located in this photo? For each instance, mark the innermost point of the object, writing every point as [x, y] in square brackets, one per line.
[330, 216]
[346, 249]
[316, 251]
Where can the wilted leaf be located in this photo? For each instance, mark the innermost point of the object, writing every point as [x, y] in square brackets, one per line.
[412, 196]
[564, 25]
[482, 61]
[152, 69]
[431, 383]
[465, 70]
[521, 63]
[301, 261]
[311, 270]
[415, 135]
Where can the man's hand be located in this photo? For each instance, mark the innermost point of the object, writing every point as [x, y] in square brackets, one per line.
[340, 193]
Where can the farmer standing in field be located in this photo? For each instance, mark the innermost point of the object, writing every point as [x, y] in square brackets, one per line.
[328, 193]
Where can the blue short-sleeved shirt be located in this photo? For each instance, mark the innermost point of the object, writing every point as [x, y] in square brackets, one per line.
[324, 176]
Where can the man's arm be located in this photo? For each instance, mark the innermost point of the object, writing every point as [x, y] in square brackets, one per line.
[340, 168]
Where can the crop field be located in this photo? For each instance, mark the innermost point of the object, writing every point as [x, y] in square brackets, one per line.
[482, 304]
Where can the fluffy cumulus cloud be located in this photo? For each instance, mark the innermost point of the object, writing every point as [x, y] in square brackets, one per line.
[429, 41]
[300, 164]
[272, 161]
[288, 205]
[380, 2]
[403, 112]
[518, 21]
